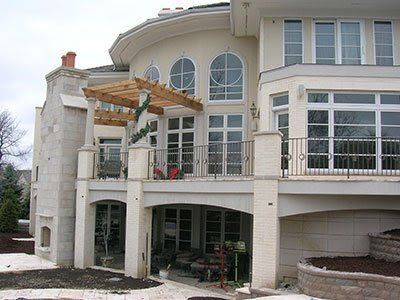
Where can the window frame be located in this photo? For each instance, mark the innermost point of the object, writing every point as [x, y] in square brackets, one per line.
[178, 218]
[169, 84]
[225, 129]
[181, 130]
[284, 42]
[393, 41]
[153, 66]
[338, 39]
[223, 230]
[331, 107]
[155, 133]
[244, 82]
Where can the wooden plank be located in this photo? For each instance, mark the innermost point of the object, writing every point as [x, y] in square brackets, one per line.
[119, 88]
[111, 85]
[155, 110]
[108, 122]
[106, 114]
[116, 100]
[169, 94]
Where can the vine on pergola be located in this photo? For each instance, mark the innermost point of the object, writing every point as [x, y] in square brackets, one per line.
[141, 133]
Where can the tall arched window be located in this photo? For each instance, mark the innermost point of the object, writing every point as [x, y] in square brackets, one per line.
[152, 73]
[182, 75]
[226, 78]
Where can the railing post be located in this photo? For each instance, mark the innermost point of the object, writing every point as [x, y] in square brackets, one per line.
[348, 158]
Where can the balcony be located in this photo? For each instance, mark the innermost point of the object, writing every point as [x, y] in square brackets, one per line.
[375, 156]
[110, 165]
[205, 161]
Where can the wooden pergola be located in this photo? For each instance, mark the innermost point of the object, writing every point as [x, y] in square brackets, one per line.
[126, 93]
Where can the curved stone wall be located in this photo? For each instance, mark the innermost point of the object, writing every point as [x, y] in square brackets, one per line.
[325, 284]
[384, 246]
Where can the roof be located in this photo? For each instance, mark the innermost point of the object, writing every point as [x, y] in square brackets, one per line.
[219, 4]
[107, 68]
[26, 174]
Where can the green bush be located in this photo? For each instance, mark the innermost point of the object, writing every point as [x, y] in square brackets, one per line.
[9, 212]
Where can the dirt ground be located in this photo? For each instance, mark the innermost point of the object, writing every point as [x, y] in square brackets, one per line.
[7, 245]
[364, 264]
[70, 278]
[394, 232]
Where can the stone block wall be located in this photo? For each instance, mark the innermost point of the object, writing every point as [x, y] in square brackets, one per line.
[332, 233]
[385, 246]
[334, 285]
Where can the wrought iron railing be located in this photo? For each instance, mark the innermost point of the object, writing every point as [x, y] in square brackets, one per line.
[341, 156]
[213, 160]
[110, 165]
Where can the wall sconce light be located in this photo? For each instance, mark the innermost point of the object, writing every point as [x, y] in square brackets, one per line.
[255, 112]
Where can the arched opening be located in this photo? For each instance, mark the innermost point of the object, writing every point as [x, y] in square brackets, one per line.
[45, 237]
[329, 233]
[189, 238]
[110, 234]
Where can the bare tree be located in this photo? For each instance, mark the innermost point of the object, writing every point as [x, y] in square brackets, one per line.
[10, 139]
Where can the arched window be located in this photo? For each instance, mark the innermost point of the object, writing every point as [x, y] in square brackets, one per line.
[182, 75]
[226, 78]
[152, 73]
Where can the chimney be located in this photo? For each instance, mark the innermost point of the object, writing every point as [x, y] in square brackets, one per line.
[63, 60]
[70, 60]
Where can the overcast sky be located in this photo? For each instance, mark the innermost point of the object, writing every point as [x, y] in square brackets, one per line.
[34, 35]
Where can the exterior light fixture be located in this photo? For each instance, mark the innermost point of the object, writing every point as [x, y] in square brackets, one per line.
[255, 113]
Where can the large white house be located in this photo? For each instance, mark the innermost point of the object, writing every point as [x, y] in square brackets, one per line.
[277, 121]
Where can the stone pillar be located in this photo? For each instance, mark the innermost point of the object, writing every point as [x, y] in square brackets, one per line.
[265, 218]
[138, 218]
[85, 215]
[89, 134]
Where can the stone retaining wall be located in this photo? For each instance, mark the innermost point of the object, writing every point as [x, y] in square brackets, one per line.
[325, 284]
[384, 246]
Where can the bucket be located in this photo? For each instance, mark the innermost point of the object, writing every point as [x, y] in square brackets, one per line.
[163, 274]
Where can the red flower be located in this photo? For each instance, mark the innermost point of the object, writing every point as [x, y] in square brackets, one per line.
[173, 172]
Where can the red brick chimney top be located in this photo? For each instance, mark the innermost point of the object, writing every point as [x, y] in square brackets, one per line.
[68, 60]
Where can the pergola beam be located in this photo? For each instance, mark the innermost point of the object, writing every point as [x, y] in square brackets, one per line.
[108, 122]
[107, 114]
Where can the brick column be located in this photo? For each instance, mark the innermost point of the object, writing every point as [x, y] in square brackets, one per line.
[265, 217]
[85, 213]
[138, 218]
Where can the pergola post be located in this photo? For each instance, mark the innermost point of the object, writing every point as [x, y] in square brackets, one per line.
[89, 134]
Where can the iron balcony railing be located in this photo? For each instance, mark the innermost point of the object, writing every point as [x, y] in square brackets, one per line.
[110, 165]
[213, 160]
[341, 156]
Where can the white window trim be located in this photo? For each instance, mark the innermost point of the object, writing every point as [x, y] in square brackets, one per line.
[156, 133]
[195, 73]
[153, 66]
[276, 110]
[225, 127]
[181, 130]
[244, 74]
[393, 39]
[331, 107]
[338, 40]
[302, 38]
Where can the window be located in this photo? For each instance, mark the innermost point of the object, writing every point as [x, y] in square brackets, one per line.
[325, 45]
[347, 49]
[152, 73]
[109, 106]
[225, 159]
[45, 236]
[345, 133]
[226, 78]
[178, 229]
[383, 43]
[180, 142]
[182, 75]
[110, 149]
[293, 37]
[221, 226]
[350, 43]
[280, 108]
[152, 135]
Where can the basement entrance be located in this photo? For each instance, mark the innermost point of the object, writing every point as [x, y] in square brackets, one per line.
[110, 234]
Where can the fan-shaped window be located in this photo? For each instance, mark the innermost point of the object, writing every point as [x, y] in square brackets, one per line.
[182, 75]
[226, 78]
[152, 73]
